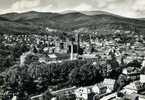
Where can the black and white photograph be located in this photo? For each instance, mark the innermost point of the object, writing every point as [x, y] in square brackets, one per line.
[72, 49]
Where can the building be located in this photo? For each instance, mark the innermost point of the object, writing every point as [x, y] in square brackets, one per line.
[134, 87]
[109, 83]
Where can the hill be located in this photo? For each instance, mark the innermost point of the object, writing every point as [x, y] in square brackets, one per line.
[37, 22]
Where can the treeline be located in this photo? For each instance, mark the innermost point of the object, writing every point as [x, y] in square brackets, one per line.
[9, 55]
[35, 78]
[38, 77]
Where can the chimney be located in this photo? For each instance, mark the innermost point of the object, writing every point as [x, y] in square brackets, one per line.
[71, 54]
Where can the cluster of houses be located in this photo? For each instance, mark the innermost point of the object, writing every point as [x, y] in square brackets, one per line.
[135, 90]
[82, 93]
[44, 42]
[53, 44]
[89, 49]
[100, 91]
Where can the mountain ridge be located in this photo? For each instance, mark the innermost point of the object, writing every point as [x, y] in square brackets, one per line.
[37, 22]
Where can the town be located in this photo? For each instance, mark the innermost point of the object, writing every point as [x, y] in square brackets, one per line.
[122, 81]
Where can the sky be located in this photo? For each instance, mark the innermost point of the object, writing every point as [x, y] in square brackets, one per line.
[127, 8]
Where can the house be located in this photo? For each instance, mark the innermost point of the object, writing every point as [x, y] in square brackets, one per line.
[142, 78]
[81, 93]
[132, 73]
[52, 56]
[109, 83]
[134, 87]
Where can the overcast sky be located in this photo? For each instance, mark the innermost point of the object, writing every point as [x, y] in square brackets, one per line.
[128, 8]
